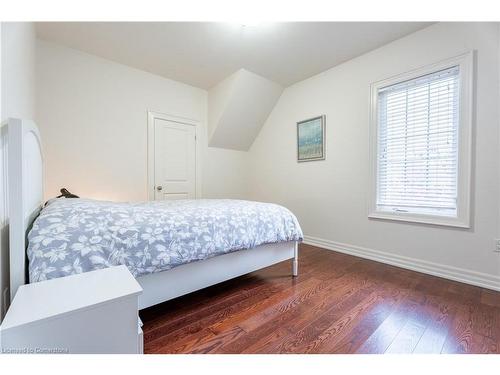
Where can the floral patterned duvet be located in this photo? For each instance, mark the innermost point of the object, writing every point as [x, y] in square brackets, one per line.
[79, 235]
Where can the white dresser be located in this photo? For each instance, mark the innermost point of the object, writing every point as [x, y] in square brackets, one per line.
[92, 312]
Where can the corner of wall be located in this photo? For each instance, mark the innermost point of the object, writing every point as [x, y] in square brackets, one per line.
[17, 77]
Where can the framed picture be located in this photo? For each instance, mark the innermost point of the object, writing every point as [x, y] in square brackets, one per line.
[311, 139]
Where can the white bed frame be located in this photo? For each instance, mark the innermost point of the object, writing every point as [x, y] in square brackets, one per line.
[25, 195]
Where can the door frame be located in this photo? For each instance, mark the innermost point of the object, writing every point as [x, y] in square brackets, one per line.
[152, 116]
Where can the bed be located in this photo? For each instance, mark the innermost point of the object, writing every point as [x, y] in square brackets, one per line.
[171, 247]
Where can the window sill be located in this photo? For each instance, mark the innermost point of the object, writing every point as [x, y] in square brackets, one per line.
[455, 222]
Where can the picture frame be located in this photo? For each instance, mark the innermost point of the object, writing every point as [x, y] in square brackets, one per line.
[311, 139]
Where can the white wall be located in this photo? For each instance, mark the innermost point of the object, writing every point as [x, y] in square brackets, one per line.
[17, 100]
[226, 174]
[18, 73]
[330, 197]
[92, 114]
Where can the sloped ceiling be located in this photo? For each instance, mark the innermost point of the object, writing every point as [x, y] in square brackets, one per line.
[238, 107]
[204, 53]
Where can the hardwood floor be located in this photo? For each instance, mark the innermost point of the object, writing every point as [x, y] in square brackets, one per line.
[338, 304]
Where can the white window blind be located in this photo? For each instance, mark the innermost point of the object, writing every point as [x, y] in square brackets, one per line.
[417, 147]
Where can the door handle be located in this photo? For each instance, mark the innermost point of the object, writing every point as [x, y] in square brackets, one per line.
[159, 188]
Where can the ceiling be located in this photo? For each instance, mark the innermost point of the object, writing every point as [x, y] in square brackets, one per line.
[204, 53]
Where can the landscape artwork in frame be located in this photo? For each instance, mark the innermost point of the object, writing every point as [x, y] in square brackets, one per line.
[311, 139]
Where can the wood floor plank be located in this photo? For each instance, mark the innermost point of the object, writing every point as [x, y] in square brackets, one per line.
[459, 339]
[336, 287]
[485, 321]
[434, 337]
[297, 291]
[262, 328]
[338, 304]
[213, 344]
[490, 297]
[163, 337]
[348, 327]
[407, 338]
[184, 344]
[385, 334]
[487, 346]
[341, 329]
[367, 326]
[314, 334]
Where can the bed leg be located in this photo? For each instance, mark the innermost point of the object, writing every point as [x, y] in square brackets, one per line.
[295, 264]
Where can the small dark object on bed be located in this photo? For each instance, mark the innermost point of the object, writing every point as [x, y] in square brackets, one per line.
[65, 193]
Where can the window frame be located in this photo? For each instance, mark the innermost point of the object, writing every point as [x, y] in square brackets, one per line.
[465, 62]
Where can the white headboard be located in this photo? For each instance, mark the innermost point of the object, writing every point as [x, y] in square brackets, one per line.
[25, 192]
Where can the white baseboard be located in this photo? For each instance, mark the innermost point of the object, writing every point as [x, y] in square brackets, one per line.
[448, 272]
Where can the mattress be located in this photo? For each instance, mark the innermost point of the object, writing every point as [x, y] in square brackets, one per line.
[78, 235]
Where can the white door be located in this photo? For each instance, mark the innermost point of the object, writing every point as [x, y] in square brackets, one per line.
[174, 160]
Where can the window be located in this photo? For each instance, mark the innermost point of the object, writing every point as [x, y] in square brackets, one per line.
[421, 145]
